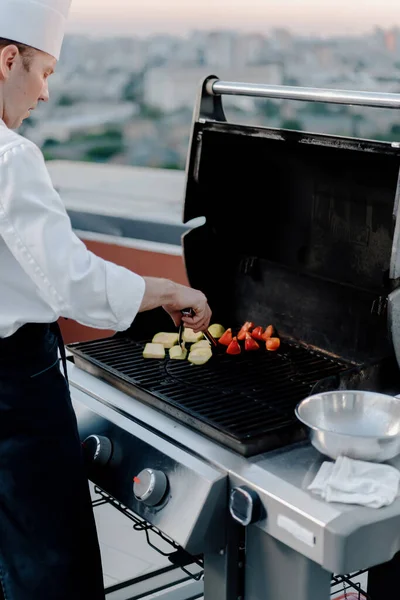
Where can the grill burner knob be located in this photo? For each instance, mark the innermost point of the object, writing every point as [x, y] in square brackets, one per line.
[245, 505]
[150, 486]
[97, 450]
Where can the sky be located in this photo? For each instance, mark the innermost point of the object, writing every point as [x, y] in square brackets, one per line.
[323, 17]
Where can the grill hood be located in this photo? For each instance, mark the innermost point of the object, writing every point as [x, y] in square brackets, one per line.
[300, 232]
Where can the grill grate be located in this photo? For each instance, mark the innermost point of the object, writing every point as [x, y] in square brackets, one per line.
[245, 402]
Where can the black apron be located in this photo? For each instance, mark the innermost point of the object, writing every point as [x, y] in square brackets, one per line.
[48, 540]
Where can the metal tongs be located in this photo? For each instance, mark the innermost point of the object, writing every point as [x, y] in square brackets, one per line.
[189, 312]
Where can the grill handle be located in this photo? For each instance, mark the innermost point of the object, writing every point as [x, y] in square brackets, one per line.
[216, 87]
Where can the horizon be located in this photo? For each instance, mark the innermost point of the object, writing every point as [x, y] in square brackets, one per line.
[304, 17]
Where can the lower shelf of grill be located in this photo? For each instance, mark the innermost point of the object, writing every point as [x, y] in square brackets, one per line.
[244, 402]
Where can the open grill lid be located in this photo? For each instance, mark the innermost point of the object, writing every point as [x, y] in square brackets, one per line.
[300, 231]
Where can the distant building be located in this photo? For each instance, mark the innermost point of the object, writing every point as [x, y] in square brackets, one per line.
[391, 40]
[220, 49]
[282, 39]
[87, 118]
[172, 88]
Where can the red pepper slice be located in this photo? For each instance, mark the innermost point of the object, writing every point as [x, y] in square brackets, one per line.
[273, 343]
[250, 343]
[226, 337]
[245, 328]
[257, 333]
[269, 332]
[234, 347]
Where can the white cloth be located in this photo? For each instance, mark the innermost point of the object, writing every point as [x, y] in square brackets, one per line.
[37, 23]
[356, 482]
[46, 271]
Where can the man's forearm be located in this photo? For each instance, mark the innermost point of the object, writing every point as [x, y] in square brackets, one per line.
[174, 297]
[158, 292]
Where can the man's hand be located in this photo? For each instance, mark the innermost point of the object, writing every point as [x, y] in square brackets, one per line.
[194, 299]
[174, 298]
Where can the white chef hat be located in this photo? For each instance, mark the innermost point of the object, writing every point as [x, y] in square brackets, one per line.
[36, 23]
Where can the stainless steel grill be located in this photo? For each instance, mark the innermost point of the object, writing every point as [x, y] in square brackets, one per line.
[245, 402]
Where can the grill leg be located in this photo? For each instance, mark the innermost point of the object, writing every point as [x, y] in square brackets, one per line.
[276, 572]
[223, 571]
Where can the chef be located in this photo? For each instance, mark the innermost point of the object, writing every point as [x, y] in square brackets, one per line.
[48, 542]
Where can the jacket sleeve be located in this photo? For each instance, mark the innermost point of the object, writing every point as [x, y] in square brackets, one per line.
[34, 224]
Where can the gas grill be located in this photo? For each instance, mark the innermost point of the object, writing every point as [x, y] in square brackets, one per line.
[301, 232]
[217, 399]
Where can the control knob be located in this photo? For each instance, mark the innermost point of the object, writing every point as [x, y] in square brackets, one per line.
[245, 505]
[150, 486]
[97, 450]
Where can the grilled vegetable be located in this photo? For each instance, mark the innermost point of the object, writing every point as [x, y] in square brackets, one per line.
[201, 350]
[273, 343]
[269, 332]
[234, 347]
[200, 344]
[177, 353]
[154, 351]
[226, 338]
[257, 333]
[244, 329]
[191, 337]
[250, 343]
[166, 339]
[216, 330]
[199, 356]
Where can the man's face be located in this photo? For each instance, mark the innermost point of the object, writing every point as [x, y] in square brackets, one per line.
[23, 86]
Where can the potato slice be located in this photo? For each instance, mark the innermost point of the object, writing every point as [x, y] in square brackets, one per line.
[198, 357]
[201, 350]
[177, 353]
[216, 330]
[200, 344]
[190, 336]
[154, 351]
[166, 339]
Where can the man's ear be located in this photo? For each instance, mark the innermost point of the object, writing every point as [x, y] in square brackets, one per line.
[8, 57]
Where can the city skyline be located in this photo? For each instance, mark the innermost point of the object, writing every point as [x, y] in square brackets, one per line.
[308, 17]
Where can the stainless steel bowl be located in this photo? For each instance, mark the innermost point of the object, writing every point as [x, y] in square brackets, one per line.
[357, 424]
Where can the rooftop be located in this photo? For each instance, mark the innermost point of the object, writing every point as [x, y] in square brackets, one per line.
[136, 193]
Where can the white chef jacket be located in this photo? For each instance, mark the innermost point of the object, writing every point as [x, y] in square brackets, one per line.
[46, 271]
